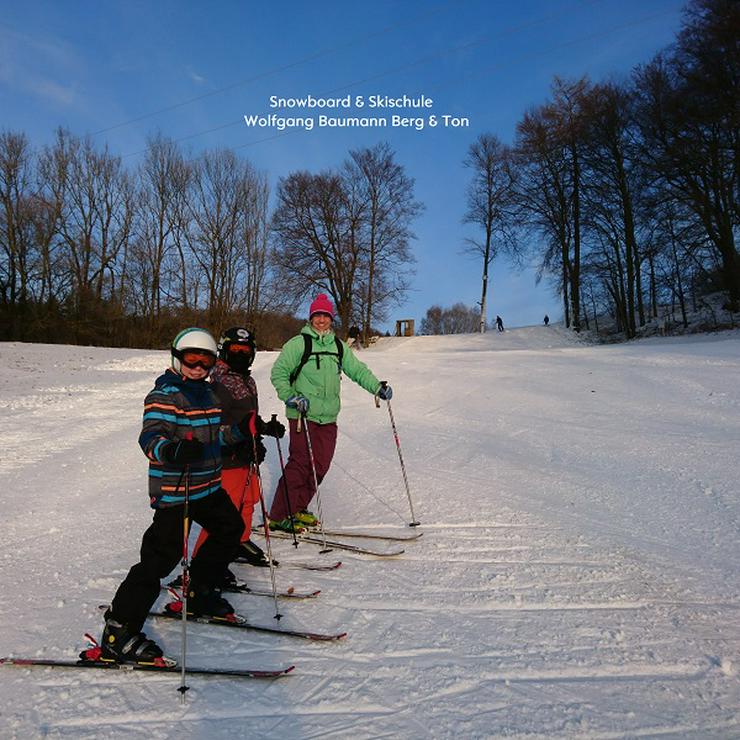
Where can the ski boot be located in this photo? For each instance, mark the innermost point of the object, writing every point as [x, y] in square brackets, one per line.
[306, 519]
[228, 581]
[204, 601]
[120, 644]
[285, 525]
[252, 554]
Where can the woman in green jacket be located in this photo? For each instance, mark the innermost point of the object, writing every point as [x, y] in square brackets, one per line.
[307, 376]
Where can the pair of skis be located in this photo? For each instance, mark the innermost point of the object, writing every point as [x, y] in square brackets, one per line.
[243, 588]
[173, 612]
[314, 537]
[237, 621]
[300, 566]
[81, 663]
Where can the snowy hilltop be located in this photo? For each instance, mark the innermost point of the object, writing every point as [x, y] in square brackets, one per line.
[577, 574]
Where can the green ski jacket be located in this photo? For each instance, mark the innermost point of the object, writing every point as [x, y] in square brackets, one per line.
[320, 379]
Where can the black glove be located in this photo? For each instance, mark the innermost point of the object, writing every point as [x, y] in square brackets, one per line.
[248, 449]
[261, 451]
[272, 428]
[183, 452]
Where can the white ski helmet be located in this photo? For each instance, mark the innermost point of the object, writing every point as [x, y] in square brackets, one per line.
[192, 338]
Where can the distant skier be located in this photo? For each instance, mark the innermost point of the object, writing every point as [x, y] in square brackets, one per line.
[499, 323]
[182, 436]
[547, 320]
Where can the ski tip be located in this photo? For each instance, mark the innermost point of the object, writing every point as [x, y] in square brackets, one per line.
[277, 673]
[320, 637]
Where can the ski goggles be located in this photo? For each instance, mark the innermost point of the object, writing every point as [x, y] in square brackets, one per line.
[240, 349]
[193, 358]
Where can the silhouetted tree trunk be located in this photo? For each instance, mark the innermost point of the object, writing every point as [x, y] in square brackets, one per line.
[490, 198]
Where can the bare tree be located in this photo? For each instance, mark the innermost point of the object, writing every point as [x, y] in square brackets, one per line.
[163, 179]
[490, 200]
[613, 179]
[458, 319]
[257, 291]
[389, 207]
[542, 197]
[690, 127]
[16, 237]
[318, 242]
[220, 211]
[549, 150]
[52, 175]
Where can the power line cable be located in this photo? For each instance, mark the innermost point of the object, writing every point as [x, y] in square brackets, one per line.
[276, 70]
[489, 70]
[418, 62]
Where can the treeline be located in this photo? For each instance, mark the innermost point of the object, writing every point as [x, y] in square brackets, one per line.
[626, 193]
[94, 252]
[457, 319]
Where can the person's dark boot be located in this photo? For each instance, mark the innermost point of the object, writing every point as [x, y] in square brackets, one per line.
[206, 601]
[252, 554]
[122, 644]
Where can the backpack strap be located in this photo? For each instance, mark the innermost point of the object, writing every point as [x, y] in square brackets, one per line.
[307, 352]
[307, 346]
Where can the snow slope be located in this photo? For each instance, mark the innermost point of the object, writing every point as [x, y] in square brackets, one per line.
[577, 577]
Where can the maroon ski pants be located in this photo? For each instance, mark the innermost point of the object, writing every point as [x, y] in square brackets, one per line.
[298, 474]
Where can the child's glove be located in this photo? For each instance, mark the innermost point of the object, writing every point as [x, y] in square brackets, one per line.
[251, 447]
[385, 393]
[261, 451]
[183, 452]
[272, 428]
[299, 403]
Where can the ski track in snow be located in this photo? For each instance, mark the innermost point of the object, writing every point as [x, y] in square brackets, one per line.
[577, 576]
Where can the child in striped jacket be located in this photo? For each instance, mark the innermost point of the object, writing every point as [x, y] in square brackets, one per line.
[182, 437]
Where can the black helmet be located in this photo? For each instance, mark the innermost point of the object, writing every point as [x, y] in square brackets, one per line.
[236, 348]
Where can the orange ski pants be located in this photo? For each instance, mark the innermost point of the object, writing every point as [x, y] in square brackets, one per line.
[243, 488]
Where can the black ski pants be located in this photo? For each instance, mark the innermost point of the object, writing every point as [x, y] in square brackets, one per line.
[161, 551]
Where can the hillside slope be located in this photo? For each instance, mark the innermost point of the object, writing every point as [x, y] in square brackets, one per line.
[577, 576]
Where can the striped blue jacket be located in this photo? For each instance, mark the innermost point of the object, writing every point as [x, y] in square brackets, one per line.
[177, 409]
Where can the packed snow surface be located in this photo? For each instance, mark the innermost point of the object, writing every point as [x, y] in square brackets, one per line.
[577, 576]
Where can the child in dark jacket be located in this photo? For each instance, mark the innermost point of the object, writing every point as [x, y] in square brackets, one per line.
[182, 436]
[236, 391]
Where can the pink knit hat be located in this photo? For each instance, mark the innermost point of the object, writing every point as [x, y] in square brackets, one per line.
[321, 304]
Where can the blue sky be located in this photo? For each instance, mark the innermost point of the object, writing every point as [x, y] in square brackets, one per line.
[192, 70]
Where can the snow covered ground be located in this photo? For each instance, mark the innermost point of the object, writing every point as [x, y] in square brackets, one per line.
[578, 574]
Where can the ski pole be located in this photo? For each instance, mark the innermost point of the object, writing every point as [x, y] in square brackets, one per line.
[413, 522]
[285, 486]
[268, 543]
[315, 483]
[185, 577]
